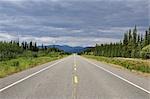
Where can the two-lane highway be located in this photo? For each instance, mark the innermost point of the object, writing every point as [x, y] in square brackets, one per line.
[75, 77]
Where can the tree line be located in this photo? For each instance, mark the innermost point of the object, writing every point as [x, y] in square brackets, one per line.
[14, 49]
[133, 45]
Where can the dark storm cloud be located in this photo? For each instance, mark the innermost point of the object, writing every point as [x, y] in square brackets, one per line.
[61, 19]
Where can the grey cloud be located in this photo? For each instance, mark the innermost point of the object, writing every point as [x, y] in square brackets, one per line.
[64, 40]
[73, 18]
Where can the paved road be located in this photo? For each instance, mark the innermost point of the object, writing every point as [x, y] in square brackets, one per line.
[74, 78]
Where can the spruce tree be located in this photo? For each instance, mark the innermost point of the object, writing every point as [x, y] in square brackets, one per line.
[149, 36]
[146, 38]
[130, 44]
[135, 35]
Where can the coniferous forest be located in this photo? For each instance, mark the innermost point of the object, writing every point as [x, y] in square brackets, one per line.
[16, 56]
[14, 49]
[133, 45]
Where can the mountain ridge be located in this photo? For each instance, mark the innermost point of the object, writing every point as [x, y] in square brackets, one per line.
[67, 48]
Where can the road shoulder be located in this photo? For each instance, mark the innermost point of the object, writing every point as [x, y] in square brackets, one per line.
[141, 80]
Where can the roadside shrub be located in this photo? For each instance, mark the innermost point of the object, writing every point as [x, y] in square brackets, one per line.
[145, 53]
[129, 64]
[15, 63]
[35, 55]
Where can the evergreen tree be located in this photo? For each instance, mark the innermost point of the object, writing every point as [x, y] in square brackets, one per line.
[42, 47]
[26, 45]
[135, 36]
[146, 38]
[149, 36]
[31, 45]
[125, 45]
[130, 44]
[130, 47]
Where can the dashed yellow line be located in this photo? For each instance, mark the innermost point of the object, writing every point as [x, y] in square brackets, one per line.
[75, 79]
[75, 69]
[74, 93]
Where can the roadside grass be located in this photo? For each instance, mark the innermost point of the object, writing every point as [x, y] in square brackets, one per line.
[131, 64]
[19, 64]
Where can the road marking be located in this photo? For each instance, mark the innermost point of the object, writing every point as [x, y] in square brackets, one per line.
[74, 93]
[75, 69]
[29, 76]
[75, 78]
[74, 60]
[118, 76]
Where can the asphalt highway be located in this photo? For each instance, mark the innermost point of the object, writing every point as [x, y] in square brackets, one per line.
[75, 77]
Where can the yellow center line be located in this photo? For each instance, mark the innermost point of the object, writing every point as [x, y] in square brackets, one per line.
[75, 69]
[75, 93]
[75, 79]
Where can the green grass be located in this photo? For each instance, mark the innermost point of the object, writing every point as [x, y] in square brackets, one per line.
[19, 64]
[131, 64]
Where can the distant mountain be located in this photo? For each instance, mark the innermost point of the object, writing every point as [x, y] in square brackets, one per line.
[67, 48]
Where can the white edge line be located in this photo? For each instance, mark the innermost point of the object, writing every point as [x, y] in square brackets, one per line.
[118, 76]
[29, 76]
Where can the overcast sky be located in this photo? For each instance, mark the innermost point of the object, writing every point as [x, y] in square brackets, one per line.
[71, 22]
